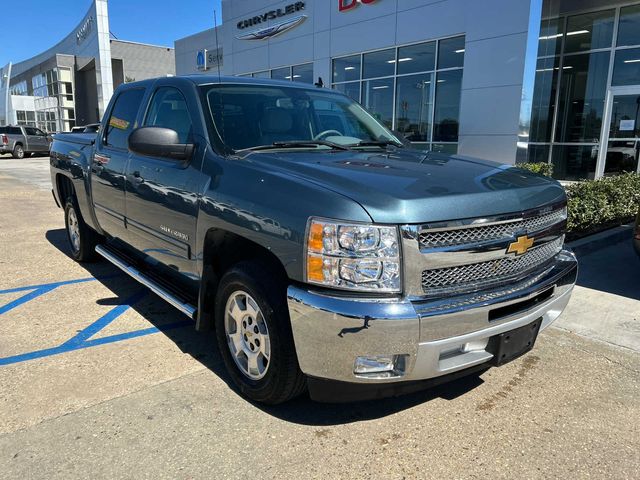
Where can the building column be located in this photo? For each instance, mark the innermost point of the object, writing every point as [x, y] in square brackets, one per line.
[500, 61]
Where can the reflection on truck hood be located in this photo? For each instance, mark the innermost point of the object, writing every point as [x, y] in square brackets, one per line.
[408, 186]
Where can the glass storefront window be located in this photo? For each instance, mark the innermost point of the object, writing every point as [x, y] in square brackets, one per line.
[582, 94]
[629, 26]
[346, 69]
[447, 107]
[625, 115]
[550, 41]
[408, 89]
[350, 90]
[377, 97]
[264, 74]
[281, 73]
[303, 73]
[544, 99]
[451, 53]
[574, 162]
[538, 154]
[417, 58]
[626, 67]
[413, 106]
[589, 31]
[379, 64]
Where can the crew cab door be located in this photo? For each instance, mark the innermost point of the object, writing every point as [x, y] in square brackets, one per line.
[110, 160]
[163, 194]
[37, 140]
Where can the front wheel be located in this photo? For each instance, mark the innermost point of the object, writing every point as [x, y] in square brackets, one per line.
[82, 239]
[254, 336]
[18, 152]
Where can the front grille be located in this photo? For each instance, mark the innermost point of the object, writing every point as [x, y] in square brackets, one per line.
[480, 233]
[478, 275]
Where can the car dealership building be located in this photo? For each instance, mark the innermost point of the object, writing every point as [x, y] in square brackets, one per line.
[509, 80]
[72, 82]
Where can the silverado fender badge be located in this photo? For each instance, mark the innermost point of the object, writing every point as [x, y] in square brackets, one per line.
[521, 246]
[175, 233]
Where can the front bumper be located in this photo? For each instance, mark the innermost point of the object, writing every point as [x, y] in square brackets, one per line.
[439, 337]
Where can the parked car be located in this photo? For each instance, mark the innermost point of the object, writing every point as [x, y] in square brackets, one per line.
[90, 128]
[327, 256]
[636, 233]
[23, 141]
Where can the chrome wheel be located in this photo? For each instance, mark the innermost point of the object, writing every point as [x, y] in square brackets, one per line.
[73, 228]
[247, 335]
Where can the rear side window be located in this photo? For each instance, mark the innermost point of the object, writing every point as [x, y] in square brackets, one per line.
[30, 131]
[123, 117]
[168, 109]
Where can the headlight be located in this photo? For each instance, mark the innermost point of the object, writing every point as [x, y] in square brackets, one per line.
[353, 257]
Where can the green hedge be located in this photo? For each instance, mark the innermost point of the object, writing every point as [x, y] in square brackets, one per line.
[541, 168]
[599, 204]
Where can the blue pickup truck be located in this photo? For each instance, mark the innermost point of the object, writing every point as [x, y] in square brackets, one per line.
[326, 254]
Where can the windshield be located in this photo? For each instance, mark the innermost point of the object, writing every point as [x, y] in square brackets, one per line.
[250, 116]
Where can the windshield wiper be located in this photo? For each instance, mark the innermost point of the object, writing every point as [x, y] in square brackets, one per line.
[377, 143]
[295, 144]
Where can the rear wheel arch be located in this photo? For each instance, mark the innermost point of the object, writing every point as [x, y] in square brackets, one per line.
[222, 250]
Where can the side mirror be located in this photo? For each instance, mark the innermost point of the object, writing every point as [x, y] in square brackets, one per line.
[159, 142]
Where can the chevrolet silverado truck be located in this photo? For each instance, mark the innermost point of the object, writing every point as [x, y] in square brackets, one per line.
[390, 270]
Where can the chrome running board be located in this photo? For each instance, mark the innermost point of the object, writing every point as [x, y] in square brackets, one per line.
[134, 273]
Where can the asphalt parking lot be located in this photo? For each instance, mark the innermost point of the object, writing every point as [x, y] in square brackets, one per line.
[99, 378]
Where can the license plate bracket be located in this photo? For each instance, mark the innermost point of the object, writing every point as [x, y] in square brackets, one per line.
[510, 345]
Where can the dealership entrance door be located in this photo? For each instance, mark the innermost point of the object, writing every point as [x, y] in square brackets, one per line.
[621, 132]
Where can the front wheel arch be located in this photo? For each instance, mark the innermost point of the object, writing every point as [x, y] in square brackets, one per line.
[222, 250]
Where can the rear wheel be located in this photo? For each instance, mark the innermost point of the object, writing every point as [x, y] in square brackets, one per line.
[82, 239]
[254, 335]
[18, 151]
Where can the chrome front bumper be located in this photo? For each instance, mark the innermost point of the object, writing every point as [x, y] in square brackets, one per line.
[438, 336]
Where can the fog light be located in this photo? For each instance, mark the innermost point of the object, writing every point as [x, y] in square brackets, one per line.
[380, 365]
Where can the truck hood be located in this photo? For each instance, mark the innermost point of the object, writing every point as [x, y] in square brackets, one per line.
[407, 186]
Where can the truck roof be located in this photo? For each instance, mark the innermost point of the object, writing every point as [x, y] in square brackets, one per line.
[213, 79]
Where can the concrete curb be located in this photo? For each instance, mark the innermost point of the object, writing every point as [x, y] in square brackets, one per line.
[600, 240]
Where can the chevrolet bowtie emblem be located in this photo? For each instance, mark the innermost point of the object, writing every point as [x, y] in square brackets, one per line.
[521, 246]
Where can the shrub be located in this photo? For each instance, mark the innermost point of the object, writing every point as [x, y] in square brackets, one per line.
[598, 204]
[540, 167]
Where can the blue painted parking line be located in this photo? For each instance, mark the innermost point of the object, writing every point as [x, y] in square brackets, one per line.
[82, 339]
[39, 290]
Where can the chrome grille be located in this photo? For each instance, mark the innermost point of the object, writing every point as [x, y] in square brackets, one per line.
[480, 233]
[464, 277]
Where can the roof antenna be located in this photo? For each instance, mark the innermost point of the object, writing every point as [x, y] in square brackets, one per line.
[319, 83]
[215, 27]
[221, 134]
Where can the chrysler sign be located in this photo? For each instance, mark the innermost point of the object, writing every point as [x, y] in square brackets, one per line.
[271, 15]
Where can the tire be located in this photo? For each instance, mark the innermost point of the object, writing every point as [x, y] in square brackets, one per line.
[82, 239]
[259, 301]
[18, 152]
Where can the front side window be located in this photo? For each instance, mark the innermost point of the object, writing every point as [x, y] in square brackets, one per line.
[247, 116]
[168, 109]
[123, 118]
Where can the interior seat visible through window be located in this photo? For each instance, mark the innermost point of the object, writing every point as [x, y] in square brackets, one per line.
[169, 110]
